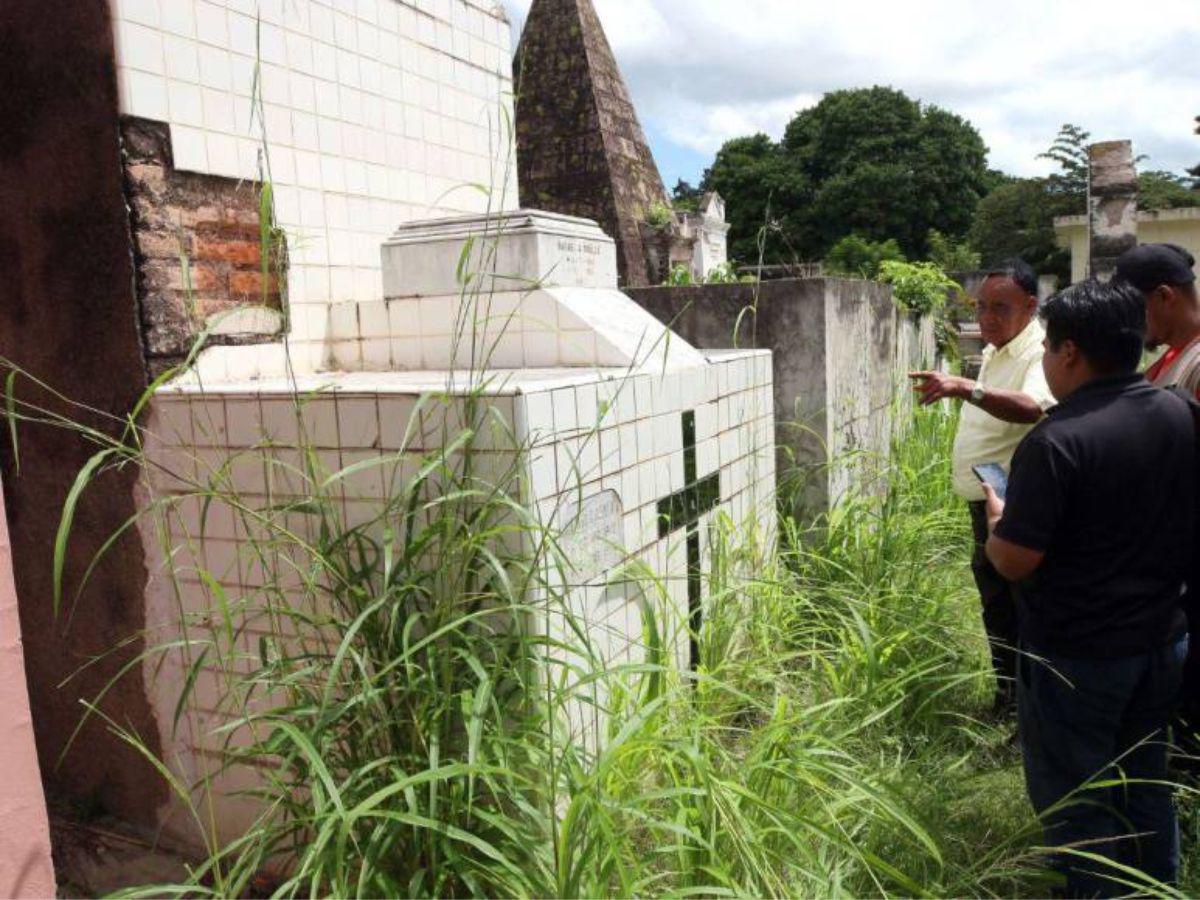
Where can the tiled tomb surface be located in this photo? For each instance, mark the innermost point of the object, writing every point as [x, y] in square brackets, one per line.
[627, 443]
[372, 112]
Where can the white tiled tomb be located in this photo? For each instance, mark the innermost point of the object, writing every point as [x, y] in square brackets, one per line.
[628, 442]
[371, 112]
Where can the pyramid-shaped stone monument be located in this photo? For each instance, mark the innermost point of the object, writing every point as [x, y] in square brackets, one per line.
[580, 148]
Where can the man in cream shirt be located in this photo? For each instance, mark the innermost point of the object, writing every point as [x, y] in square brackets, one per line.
[1010, 397]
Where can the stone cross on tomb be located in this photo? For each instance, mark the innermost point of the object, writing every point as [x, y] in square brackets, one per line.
[683, 510]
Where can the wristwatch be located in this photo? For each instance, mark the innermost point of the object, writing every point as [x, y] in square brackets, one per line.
[978, 393]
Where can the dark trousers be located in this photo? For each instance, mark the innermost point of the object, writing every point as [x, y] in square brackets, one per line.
[1187, 721]
[1096, 720]
[999, 609]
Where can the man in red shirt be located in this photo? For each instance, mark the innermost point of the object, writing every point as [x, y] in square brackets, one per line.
[1165, 275]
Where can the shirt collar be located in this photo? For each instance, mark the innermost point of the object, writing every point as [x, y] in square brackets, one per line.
[1032, 335]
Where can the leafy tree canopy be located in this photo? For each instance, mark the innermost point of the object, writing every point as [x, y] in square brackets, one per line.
[994, 178]
[950, 256]
[686, 198]
[1070, 151]
[871, 162]
[766, 199]
[1164, 190]
[1195, 172]
[1018, 220]
[859, 258]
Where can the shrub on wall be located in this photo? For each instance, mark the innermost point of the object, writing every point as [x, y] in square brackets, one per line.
[919, 288]
[924, 289]
[952, 256]
[725, 273]
[659, 215]
[680, 276]
[857, 257]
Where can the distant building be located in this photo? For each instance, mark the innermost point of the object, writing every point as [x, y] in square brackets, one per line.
[1166, 226]
[697, 240]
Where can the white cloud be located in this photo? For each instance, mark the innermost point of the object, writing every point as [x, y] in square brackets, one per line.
[703, 71]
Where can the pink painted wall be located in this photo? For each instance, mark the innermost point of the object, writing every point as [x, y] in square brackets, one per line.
[25, 867]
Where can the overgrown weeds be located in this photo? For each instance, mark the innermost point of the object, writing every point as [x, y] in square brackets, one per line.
[402, 720]
[398, 703]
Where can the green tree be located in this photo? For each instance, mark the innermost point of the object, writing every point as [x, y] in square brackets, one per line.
[1195, 172]
[871, 162]
[859, 258]
[1070, 151]
[1157, 189]
[765, 194]
[951, 170]
[686, 198]
[1164, 190]
[951, 256]
[994, 178]
[1017, 219]
[848, 129]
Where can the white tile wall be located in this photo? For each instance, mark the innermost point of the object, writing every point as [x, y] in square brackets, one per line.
[375, 113]
[585, 434]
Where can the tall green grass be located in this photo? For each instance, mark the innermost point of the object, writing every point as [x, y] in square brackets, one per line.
[401, 717]
[404, 723]
[400, 714]
[414, 744]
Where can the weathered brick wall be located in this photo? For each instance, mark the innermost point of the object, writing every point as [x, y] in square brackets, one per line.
[198, 248]
[580, 148]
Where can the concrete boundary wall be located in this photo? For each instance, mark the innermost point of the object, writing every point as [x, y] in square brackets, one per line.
[841, 349]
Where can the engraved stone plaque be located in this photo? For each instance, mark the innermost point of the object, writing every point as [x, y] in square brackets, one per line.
[592, 540]
[578, 261]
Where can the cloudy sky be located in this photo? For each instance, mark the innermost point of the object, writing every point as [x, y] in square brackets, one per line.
[703, 71]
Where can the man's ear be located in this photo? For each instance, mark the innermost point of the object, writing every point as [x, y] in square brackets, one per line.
[1177, 296]
[1068, 351]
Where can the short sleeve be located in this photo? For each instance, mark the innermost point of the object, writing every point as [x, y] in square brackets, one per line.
[1189, 380]
[1034, 385]
[1039, 484]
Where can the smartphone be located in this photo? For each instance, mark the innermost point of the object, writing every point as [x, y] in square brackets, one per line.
[993, 474]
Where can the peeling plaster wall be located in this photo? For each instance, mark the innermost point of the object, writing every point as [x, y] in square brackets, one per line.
[1112, 204]
[860, 358]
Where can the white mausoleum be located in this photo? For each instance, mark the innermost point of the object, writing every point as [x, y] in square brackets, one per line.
[391, 165]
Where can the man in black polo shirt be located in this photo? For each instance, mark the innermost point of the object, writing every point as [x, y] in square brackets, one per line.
[1098, 530]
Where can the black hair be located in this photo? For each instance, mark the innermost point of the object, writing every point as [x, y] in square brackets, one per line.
[1184, 254]
[1019, 271]
[1106, 321]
